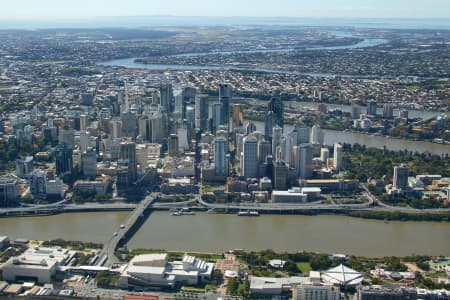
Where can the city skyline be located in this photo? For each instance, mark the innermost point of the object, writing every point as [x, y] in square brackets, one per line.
[52, 9]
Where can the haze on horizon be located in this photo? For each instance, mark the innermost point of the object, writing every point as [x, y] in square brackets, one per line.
[79, 9]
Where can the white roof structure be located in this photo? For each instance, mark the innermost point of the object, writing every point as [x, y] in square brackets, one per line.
[269, 285]
[231, 274]
[342, 275]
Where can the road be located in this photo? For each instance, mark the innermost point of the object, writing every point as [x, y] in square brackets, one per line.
[107, 255]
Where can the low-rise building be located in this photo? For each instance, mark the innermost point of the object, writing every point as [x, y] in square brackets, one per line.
[100, 185]
[295, 195]
[178, 186]
[4, 242]
[154, 270]
[274, 286]
[36, 264]
[311, 291]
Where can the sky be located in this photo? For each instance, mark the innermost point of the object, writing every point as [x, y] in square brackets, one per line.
[63, 9]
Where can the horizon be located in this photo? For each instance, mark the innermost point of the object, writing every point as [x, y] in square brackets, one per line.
[152, 21]
[80, 9]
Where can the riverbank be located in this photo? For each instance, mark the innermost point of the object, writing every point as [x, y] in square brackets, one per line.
[368, 214]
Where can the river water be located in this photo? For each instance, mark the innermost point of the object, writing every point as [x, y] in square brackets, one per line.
[332, 136]
[215, 233]
[132, 64]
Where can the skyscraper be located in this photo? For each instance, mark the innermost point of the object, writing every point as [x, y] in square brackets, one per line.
[67, 136]
[173, 145]
[220, 152]
[277, 134]
[63, 159]
[401, 174]
[372, 107]
[225, 99]
[89, 163]
[250, 157]
[316, 135]
[303, 161]
[237, 115]
[201, 112]
[269, 123]
[166, 96]
[264, 149]
[129, 124]
[216, 116]
[85, 141]
[324, 155]
[337, 157]
[388, 111]
[276, 105]
[128, 156]
[303, 134]
[280, 175]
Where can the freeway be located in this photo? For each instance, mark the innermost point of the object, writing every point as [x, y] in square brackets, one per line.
[107, 255]
[369, 206]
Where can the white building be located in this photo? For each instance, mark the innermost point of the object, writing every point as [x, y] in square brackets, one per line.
[37, 264]
[337, 157]
[311, 291]
[274, 286]
[155, 270]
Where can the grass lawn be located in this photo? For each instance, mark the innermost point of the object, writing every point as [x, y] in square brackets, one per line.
[304, 267]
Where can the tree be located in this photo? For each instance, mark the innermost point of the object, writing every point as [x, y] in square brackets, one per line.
[291, 268]
[320, 262]
[232, 286]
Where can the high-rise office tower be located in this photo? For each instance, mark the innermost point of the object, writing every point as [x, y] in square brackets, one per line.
[128, 156]
[37, 183]
[277, 134]
[129, 124]
[63, 159]
[237, 115]
[250, 157]
[145, 128]
[158, 126]
[201, 112]
[84, 122]
[166, 96]
[89, 163]
[179, 103]
[401, 174]
[302, 161]
[183, 140]
[372, 107]
[356, 108]
[303, 134]
[316, 135]
[220, 152]
[337, 157]
[216, 116]
[24, 166]
[225, 98]
[388, 111]
[67, 136]
[280, 175]
[324, 155]
[85, 141]
[173, 145]
[116, 130]
[276, 105]
[269, 123]
[264, 149]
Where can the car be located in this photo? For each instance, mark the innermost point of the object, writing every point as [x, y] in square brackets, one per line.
[122, 226]
[116, 233]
